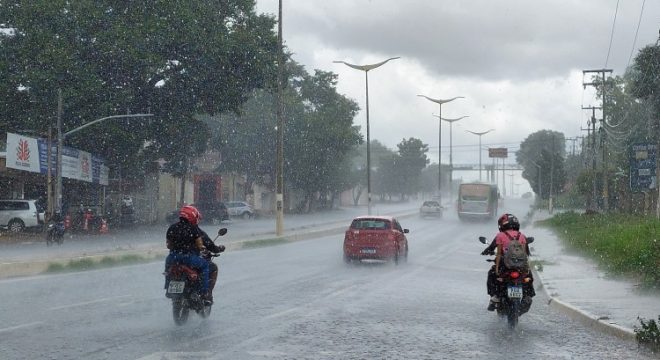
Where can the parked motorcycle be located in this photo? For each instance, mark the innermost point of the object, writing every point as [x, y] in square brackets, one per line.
[55, 231]
[183, 287]
[515, 292]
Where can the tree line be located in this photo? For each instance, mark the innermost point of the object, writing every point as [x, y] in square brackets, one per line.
[207, 71]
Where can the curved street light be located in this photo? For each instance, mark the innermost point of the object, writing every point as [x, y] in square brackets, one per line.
[440, 102]
[451, 162]
[480, 134]
[366, 69]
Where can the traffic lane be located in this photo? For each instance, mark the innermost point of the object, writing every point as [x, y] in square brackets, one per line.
[122, 312]
[434, 306]
[300, 301]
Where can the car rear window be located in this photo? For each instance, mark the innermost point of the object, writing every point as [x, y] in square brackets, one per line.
[431, 203]
[14, 205]
[370, 224]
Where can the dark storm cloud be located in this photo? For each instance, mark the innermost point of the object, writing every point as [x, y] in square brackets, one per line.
[479, 39]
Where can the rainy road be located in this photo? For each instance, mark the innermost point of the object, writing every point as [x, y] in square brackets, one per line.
[297, 301]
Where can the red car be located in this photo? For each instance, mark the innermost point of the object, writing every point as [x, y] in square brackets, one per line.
[375, 237]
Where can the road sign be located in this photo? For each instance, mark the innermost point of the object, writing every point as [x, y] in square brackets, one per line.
[498, 152]
[642, 167]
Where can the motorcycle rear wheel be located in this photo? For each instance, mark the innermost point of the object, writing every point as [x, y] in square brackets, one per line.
[180, 311]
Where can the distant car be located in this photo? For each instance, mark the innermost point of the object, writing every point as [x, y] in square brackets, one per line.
[375, 237]
[17, 215]
[214, 212]
[430, 208]
[240, 208]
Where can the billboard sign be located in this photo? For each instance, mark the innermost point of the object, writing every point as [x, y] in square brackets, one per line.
[498, 152]
[29, 154]
[643, 167]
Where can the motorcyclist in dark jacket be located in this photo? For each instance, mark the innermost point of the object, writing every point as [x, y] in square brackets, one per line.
[184, 239]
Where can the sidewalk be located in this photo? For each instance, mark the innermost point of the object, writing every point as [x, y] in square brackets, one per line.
[578, 287]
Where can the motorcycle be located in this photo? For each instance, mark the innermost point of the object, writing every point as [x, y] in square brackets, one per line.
[183, 284]
[55, 232]
[514, 289]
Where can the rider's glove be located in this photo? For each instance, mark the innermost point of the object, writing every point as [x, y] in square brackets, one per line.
[222, 248]
[488, 251]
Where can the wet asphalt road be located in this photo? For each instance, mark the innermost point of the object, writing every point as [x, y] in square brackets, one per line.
[297, 301]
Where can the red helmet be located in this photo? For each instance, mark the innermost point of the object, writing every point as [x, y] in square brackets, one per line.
[508, 222]
[190, 214]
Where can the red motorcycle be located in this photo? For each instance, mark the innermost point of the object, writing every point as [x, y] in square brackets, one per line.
[183, 284]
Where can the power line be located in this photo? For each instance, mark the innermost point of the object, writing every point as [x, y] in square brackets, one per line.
[616, 11]
[639, 22]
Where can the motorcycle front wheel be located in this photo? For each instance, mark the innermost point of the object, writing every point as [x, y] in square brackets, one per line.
[514, 313]
[180, 311]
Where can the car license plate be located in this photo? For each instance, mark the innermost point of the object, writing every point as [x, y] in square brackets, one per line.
[515, 292]
[176, 287]
[368, 251]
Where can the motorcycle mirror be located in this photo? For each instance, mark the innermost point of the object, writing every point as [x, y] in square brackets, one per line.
[483, 239]
[530, 239]
[222, 231]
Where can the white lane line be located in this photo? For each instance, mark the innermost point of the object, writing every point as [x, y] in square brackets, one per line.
[177, 355]
[12, 328]
[89, 302]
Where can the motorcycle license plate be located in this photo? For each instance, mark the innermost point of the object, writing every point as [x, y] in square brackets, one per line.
[176, 287]
[515, 292]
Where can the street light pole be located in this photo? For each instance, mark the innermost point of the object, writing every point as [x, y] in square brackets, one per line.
[440, 102]
[366, 69]
[60, 144]
[279, 168]
[451, 162]
[480, 134]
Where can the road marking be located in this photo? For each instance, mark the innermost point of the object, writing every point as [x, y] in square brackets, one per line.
[89, 302]
[177, 355]
[12, 328]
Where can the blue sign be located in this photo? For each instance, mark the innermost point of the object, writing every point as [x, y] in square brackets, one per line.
[643, 167]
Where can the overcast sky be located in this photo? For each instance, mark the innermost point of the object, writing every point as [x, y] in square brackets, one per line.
[518, 63]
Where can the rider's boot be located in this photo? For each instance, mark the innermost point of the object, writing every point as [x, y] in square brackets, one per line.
[492, 305]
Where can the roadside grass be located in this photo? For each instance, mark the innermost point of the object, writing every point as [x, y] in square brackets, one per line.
[104, 262]
[622, 244]
[263, 242]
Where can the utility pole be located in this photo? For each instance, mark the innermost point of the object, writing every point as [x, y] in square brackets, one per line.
[279, 194]
[606, 190]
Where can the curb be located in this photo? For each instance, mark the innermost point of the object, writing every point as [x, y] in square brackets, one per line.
[585, 317]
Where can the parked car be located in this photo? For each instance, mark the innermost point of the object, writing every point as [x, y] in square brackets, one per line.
[17, 215]
[375, 237]
[431, 208]
[240, 208]
[214, 212]
[211, 212]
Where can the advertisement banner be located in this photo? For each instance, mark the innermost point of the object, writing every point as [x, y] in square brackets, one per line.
[30, 154]
[642, 167]
[23, 153]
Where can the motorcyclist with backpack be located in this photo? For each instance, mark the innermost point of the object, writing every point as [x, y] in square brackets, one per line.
[508, 241]
[185, 241]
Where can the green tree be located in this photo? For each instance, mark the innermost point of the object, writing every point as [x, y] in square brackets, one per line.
[544, 148]
[174, 59]
[412, 160]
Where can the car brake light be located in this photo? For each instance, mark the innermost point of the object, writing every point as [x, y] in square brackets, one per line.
[514, 274]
